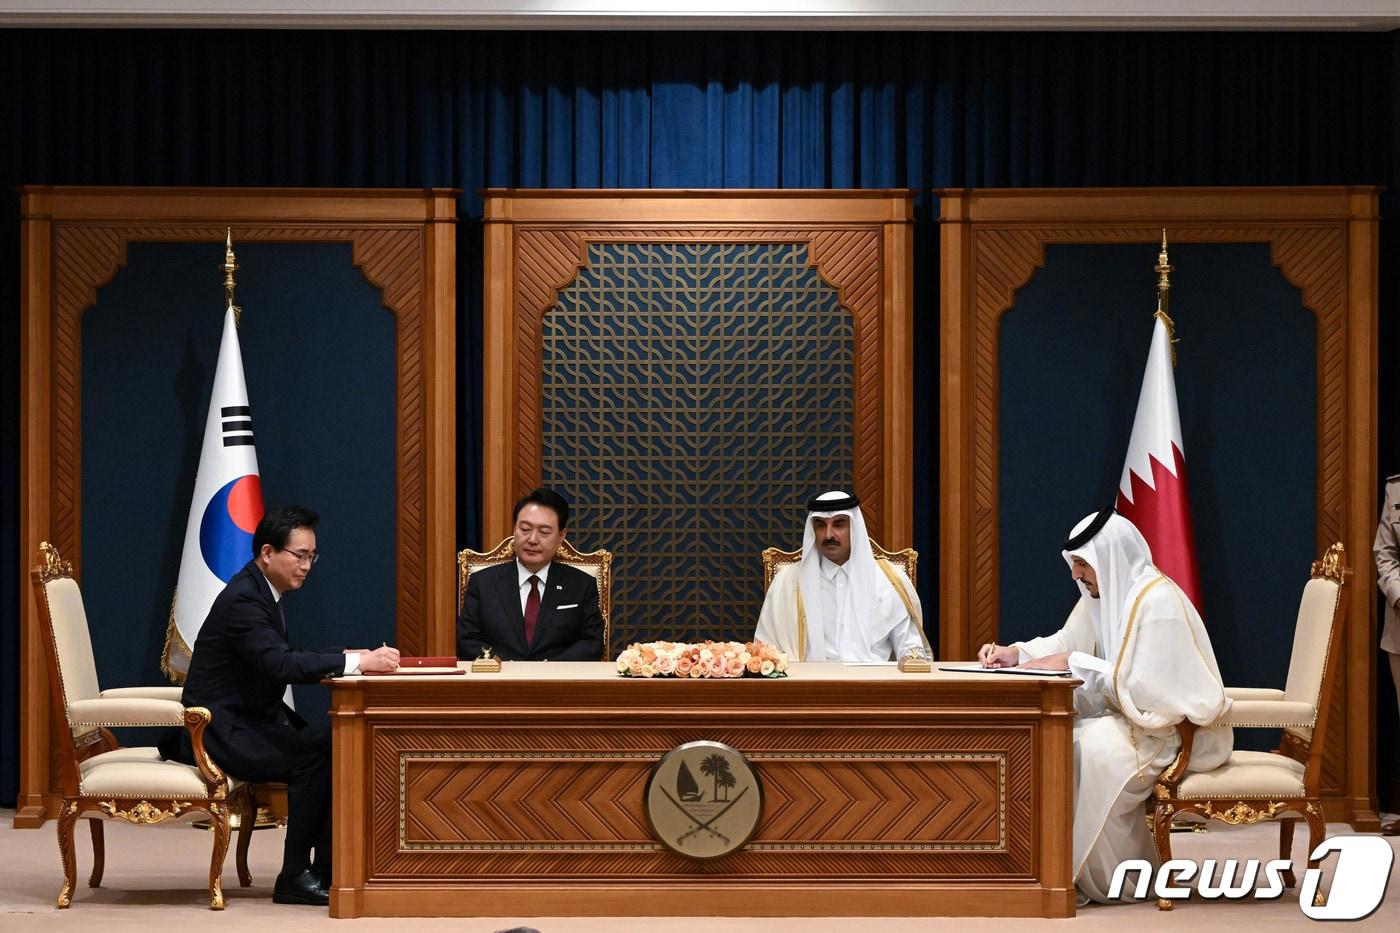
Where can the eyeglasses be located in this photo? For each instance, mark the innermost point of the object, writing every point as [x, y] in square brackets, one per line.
[304, 557]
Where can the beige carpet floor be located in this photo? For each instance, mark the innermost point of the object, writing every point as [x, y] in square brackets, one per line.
[154, 879]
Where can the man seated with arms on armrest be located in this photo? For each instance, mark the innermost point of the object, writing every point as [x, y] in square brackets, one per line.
[840, 602]
[1147, 664]
[532, 608]
[240, 670]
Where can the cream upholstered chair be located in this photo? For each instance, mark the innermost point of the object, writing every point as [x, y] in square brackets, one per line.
[103, 781]
[597, 564]
[774, 559]
[1282, 784]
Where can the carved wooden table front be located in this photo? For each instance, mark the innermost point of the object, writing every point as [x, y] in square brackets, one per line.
[521, 794]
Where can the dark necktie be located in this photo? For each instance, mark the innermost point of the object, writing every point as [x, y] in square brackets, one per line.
[283, 614]
[532, 608]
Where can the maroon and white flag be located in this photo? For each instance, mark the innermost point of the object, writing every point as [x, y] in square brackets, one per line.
[1152, 492]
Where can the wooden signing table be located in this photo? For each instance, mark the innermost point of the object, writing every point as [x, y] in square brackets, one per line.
[521, 793]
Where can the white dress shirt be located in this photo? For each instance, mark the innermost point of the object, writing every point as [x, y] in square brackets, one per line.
[524, 577]
[836, 587]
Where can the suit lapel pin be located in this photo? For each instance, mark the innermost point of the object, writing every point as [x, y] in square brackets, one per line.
[558, 586]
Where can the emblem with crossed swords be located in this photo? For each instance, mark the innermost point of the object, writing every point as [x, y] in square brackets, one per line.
[706, 825]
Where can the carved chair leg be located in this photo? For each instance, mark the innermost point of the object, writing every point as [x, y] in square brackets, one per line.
[67, 816]
[218, 816]
[247, 818]
[1162, 841]
[1285, 850]
[98, 853]
[1317, 831]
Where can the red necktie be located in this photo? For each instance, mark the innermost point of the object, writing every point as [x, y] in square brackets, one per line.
[532, 609]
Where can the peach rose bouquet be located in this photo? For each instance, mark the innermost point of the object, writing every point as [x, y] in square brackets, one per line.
[709, 659]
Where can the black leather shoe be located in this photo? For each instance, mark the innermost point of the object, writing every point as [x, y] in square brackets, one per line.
[301, 888]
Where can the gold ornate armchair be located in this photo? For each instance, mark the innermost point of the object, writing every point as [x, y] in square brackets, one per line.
[100, 779]
[1282, 784]
[774, 559]
[597, 564]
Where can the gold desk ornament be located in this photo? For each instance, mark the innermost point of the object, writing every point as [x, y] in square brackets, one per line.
[916, 662]
[486, 664]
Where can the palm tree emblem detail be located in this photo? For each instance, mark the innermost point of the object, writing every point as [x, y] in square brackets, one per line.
[717, 767]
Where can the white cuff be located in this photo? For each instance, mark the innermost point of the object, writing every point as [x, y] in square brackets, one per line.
[1089, 661]
[352, 662]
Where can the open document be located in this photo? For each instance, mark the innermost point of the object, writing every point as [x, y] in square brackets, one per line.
[975, 667]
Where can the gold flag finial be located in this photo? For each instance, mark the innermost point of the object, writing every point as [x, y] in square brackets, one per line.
[1164, 287]
[1164, 271]
[229, 267]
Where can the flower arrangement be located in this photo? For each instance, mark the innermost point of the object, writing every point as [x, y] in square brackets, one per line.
[707, 659]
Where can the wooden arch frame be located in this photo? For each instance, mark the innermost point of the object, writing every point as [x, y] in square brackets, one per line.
[1323, 240]
[74, 240]
[537, 241]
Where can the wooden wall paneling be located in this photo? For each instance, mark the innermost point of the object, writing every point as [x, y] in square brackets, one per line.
[898, 369]
[1359, 684]
[75, 240]
[498, 380]
[1323, 240]
[954, 451]
[537, 241]
[440, 411]
[37, 760]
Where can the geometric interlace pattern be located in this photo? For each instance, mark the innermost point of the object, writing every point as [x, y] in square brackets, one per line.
[693, 396]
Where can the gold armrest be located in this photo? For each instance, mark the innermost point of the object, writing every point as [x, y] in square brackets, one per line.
[196, 721]
[1172, 776]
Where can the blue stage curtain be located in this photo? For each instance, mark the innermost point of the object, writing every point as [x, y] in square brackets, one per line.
[738, 110]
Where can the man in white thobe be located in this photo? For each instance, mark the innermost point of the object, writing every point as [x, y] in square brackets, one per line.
[1147, 663]
[841, 602]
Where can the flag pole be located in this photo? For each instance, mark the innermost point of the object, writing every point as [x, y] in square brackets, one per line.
[174, 641]
[227, 458]
[1152, 492]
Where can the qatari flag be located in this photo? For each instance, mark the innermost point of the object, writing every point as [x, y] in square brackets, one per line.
[1152, 492]
[226, 506]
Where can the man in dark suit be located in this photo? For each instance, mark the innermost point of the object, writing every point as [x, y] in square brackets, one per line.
[533, 609]
[240, 668]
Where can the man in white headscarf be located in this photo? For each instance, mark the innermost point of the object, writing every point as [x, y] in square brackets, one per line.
[840, 602]
[1147, 664]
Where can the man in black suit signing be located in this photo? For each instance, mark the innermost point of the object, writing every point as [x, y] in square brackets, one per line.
[533, 609]
[240, 668]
